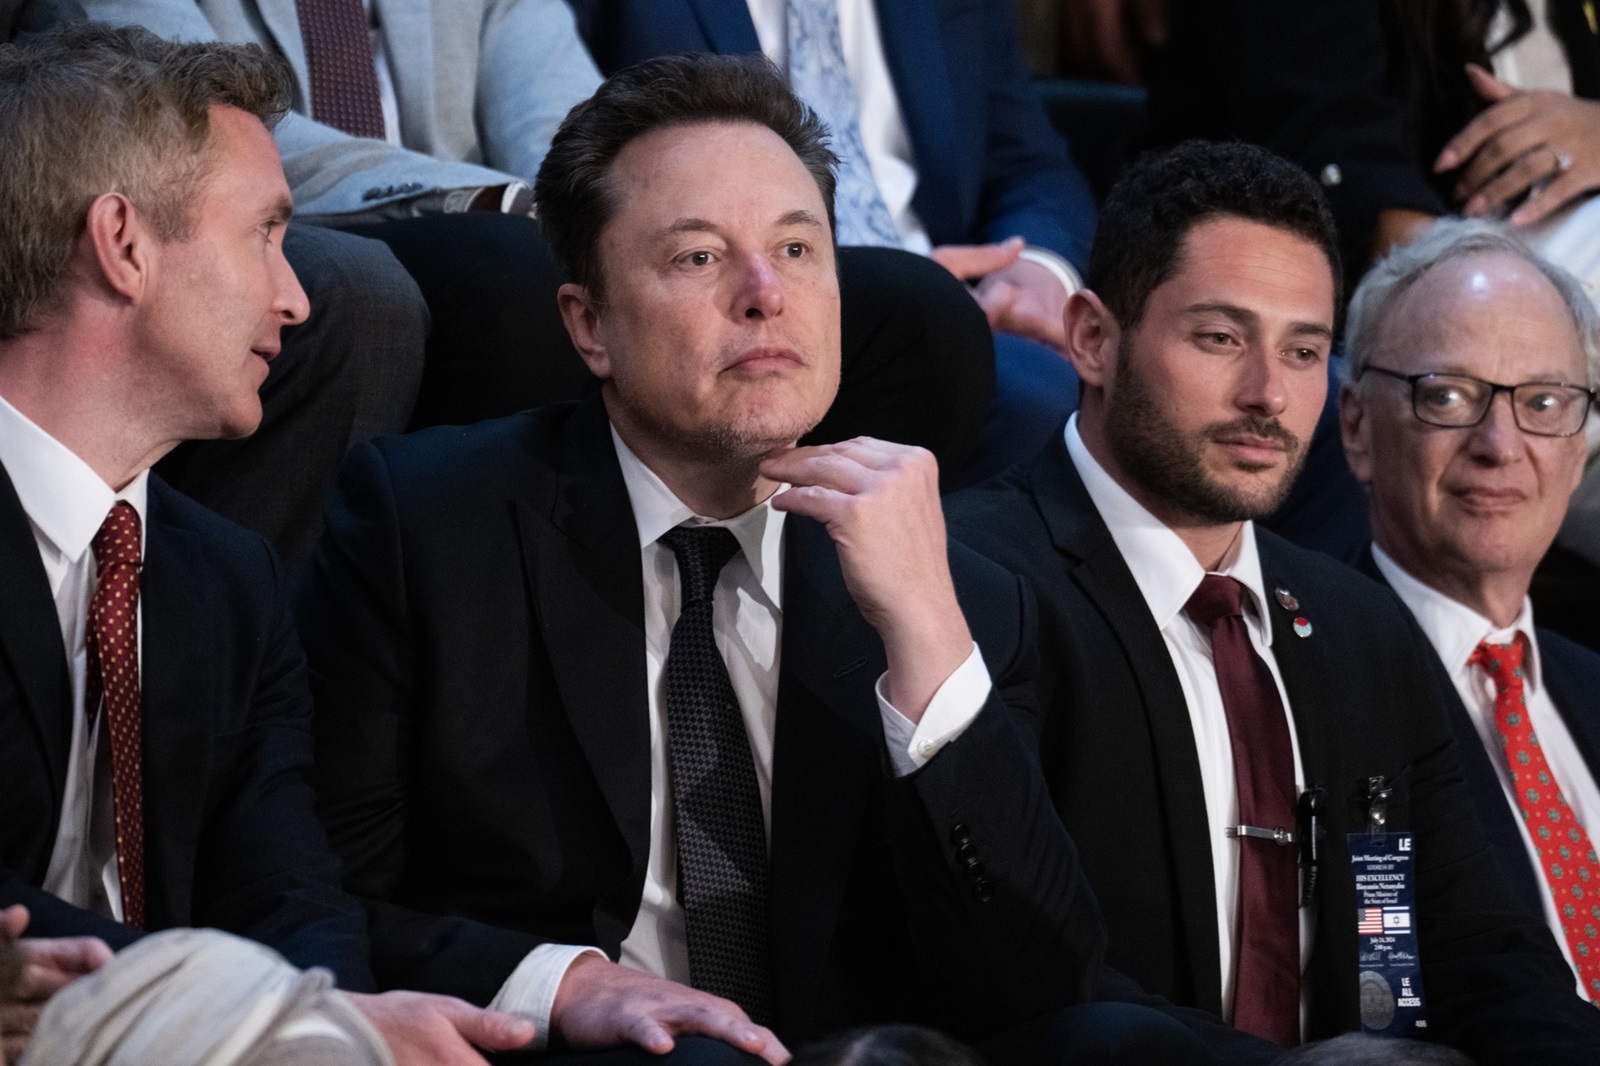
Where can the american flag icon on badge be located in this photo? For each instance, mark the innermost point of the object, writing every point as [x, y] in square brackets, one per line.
[1369, 921]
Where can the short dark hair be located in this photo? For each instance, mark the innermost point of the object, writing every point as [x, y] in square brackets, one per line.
[1166, 193]
[574, 192]
[888, 1045]
[90, 109]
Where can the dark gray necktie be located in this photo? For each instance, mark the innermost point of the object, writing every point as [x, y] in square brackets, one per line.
[722, 843]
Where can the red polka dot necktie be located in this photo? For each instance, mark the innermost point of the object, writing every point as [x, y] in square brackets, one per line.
[344, 75]
[113, 645]
[1566, 858]
[1266, 996]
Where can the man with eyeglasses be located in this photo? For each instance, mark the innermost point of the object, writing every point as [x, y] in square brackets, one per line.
[1472, 369]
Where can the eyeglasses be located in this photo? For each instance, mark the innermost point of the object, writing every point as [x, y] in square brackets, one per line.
[1459, 401]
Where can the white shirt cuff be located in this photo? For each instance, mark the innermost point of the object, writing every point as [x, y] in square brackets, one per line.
[951, 710]
[1064, 271]
[530, 991]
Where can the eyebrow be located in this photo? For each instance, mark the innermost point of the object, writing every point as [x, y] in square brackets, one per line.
[797, 217]
[1246, 317]
[281, 211]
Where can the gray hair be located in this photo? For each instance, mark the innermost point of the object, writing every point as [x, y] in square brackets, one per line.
[91, 109]
[1457, 238]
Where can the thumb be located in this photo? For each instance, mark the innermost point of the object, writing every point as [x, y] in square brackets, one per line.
[975, 260]
[491, 1030]
[13, 921]
[1487, 85]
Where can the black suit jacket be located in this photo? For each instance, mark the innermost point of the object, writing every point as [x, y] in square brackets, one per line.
[475, 627]
[1572, 673]
[231, 835]
[1366, 696]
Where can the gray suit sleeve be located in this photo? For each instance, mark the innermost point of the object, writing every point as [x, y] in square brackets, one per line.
[532, 71]
[330, 172]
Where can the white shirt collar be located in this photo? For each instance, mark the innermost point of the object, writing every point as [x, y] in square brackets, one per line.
[1454, 629]
[1164, 568]
[63, 497]
[657, 509]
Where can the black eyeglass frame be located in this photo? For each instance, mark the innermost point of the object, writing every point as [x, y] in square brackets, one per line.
[1495, 389]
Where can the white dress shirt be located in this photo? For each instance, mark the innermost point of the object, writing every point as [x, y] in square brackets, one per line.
[747, 622]
[1167, 574]
[66, 503]
[1455, 630]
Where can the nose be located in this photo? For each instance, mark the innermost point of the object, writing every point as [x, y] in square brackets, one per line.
[1262, 389]
[1496, 438]
[289, 299]
[760, 288]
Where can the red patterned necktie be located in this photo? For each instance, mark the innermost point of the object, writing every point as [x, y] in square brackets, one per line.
[1266, 997]
[113, 645]
[344, 76]
[1566, 858]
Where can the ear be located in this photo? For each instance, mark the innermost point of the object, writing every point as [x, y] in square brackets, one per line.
[582, 317]
[1092, 337]
[119, 244]
[1355, 429]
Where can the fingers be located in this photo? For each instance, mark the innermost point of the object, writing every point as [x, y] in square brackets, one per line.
[722, 1020]
[13, 921]
[49, 965]
[1547, 198]
[1487, 85]
[1530, 168]
[845, 465]
[17, 1022]
[419, 1028]
[1465, 145]
[491, 1030]
[998, 298]
[967, 261]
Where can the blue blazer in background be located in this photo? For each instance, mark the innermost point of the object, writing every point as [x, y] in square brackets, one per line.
[989, 163]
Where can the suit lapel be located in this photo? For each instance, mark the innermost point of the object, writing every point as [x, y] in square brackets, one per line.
[1096, 566]
[30, 638]
[726, 25]
[408, 34]
[580, 552]
[283, 22]
[178, 684]
[1483, 784]
[919, 68]
[825, 763]
[1570, 690]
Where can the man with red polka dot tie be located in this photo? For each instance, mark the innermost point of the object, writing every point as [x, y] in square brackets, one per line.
[1472, 363]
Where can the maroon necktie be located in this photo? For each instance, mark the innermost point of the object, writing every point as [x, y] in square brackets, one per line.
[1266, 998]
[113, 647]
[344, 76]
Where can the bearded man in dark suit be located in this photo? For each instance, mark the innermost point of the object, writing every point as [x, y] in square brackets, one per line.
[1245, 704]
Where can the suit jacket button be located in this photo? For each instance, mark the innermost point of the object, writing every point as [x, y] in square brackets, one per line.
[984, 891]
[960, 834]
[966, 852]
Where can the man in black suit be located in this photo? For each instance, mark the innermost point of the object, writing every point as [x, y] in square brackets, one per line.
[1467, 494]
[1177, 634]
[154, 717]
[507, 761]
